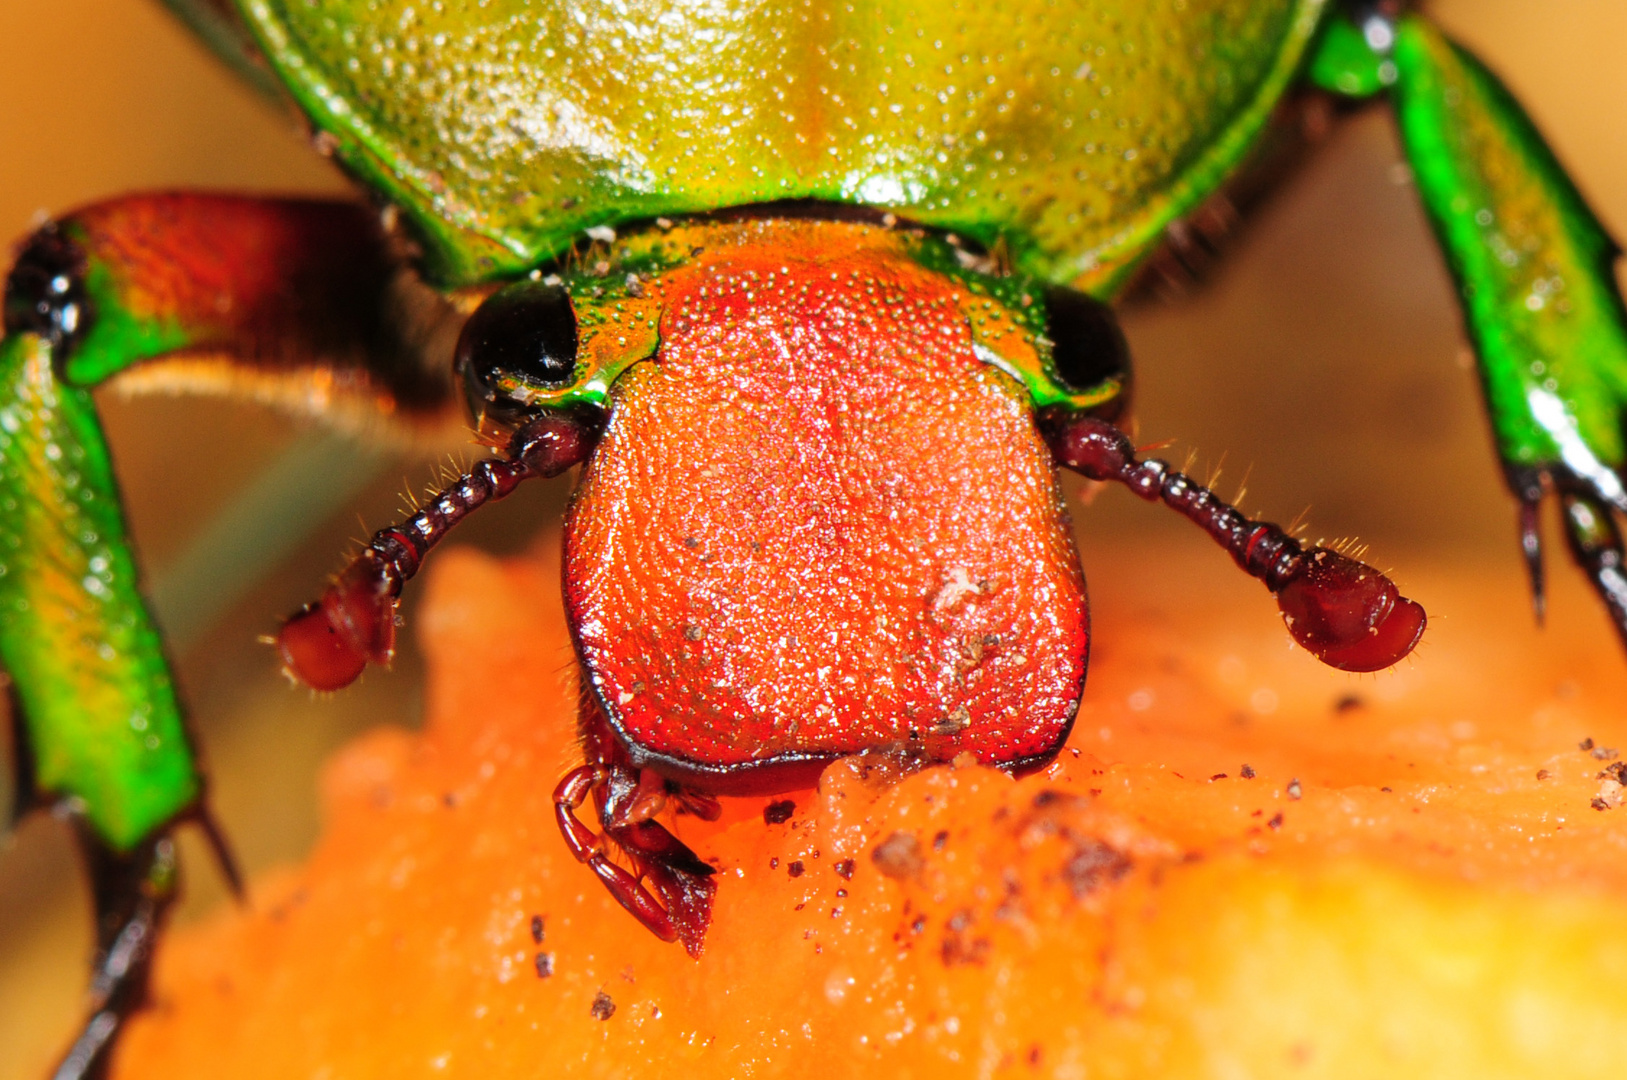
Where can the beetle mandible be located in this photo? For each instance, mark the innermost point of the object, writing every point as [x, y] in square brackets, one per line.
[853, 252]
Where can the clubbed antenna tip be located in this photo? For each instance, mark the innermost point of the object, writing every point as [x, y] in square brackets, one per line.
[1344, 612]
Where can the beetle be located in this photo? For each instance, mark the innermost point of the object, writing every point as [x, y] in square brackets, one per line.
[581, 268]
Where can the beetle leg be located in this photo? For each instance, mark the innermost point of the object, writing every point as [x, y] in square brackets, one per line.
[297, 302]
[132, 894]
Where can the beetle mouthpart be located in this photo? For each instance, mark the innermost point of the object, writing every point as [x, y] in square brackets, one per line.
[669, 890]
[1345, 613]
[328, 644]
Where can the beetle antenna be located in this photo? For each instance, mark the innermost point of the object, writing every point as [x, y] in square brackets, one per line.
[1344, 612]
[327, 644]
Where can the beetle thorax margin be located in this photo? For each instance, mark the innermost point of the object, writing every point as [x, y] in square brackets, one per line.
[817, 524]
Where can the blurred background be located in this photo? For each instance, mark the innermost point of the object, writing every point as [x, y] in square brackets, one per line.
[1324, 360]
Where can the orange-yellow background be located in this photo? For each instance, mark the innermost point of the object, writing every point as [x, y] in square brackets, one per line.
[1326, 359]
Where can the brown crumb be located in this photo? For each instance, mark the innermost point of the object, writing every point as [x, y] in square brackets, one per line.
[795, 869]
[603, 1008]
[544, 962]
[778, 813]
[1585, 744]
[1093, 865]
[898, 856]
[1276, 820]
[1294, 790]
[1606, 753]
[844, 870]
[1543, 774]
[1246, 772]
[1599, 804]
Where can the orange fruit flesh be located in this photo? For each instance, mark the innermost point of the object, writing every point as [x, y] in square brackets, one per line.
[1426, 905]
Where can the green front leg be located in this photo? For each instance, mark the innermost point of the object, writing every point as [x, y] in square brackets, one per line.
[292, 301]
[98, 704]
[1533, 268]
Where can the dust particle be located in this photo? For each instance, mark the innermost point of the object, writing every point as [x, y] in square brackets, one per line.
[1093, 865]
[898, 856]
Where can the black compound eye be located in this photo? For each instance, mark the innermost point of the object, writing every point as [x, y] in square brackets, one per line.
[523, 335]
[1088, 348]
[45, 291]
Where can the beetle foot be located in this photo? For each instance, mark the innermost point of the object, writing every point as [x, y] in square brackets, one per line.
[680, 906]
[132, 894]
[1596, 545]
[1530, 524]
[1588, 506]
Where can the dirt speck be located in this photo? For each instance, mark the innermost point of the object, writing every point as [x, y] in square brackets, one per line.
[1093, 865]
[898, 857]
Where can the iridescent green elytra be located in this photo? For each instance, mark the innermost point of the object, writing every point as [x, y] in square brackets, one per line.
[1062, 138]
